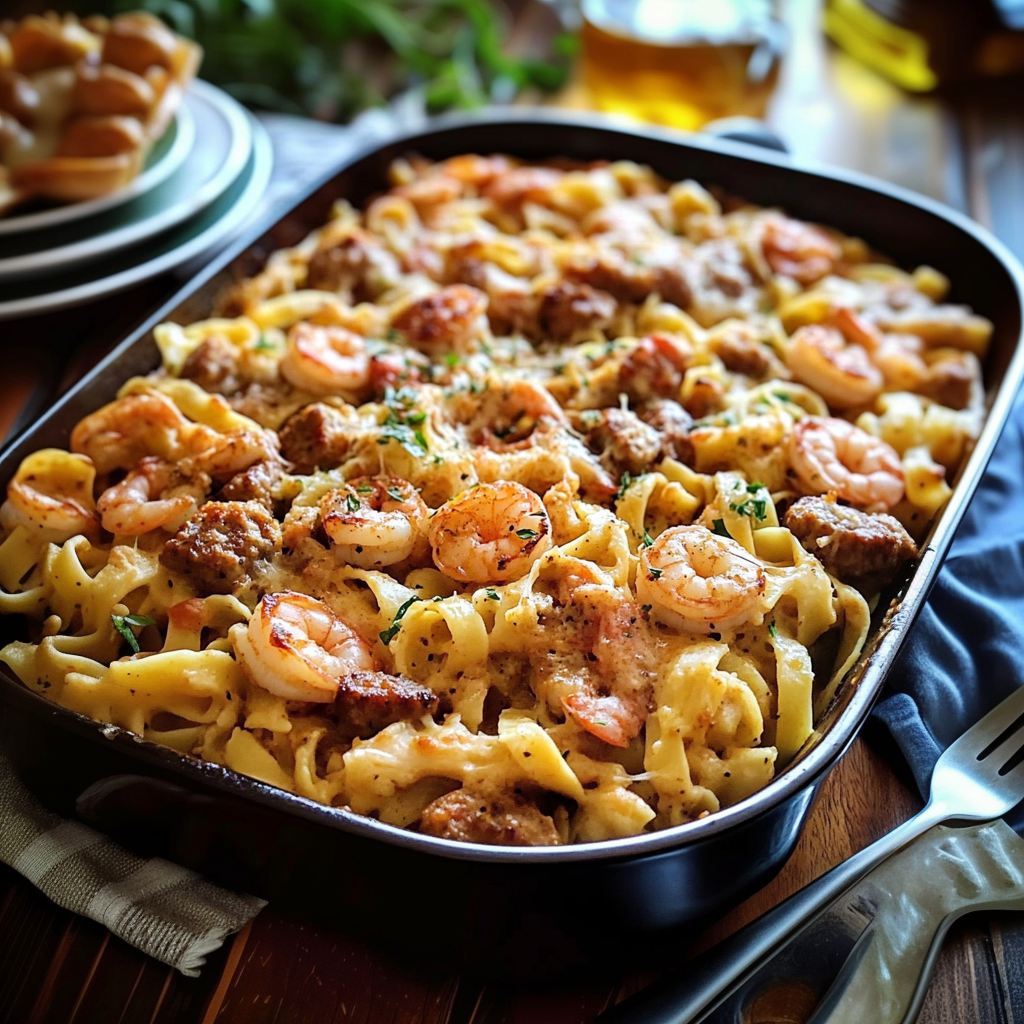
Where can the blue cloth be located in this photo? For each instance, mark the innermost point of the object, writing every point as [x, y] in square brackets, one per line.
[965, 653]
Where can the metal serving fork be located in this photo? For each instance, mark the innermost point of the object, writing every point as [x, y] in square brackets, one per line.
[978, 778]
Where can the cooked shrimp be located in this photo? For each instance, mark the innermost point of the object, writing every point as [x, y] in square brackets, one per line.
[843, 374]
[374, 521]
[150, 496]
[491, 533]
[897, 356]
[506, 412]
[452, 320]
[236, 450]
[833, 455]
[600, 670]
[655, 368]
[704, 582]
[122, 432]
[326, 360]
[798, 250]
[52, 492]
[297, 648]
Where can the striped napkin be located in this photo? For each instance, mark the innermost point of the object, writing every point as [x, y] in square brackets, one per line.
[165, 910]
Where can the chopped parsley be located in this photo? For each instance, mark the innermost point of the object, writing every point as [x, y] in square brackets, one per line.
[387, 635]
[492, 594]
[648, 539]
[655, 574]
[755, 508]
[396, 494]
[645, 608]
[416, 417]
[264, 344]
[772, 630]
[123, 624]
[526, 534]
[624, 483]
[352, 503]
[453, 359]
[719, 529]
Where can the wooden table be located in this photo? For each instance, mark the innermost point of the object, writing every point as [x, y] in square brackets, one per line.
[56, 968]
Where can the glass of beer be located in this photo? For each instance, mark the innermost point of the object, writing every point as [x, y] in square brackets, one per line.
[680, 62]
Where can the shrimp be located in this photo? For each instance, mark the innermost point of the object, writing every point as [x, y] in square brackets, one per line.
[798, 250]
[374, 521]
[702, 582]
[842, 374]
[654, 368]
[52, 492]
[297, 648]
[326, 360]
[832, 455]
[122, 432]
[601, 668]
[897, 356]
[150, 496]
[490, 533]
[452, 320]
[506, 412]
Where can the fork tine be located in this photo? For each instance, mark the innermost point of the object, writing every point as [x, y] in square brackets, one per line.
[988, 729]
[1006, 750]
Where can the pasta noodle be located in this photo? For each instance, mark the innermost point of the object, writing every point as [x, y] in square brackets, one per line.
[532, 505]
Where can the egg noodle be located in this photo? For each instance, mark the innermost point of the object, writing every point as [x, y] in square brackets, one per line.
[533, 504]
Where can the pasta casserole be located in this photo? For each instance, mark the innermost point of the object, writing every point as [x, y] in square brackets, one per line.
[531, 505]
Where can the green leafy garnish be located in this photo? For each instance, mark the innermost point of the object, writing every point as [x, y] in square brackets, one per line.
[648, 539]
[387, 635]
[452, 359]
[415, 417]
[123, 624]
[352, 503]
[264, 344]
[772, 630]
[526, 534]
[655, 574]
[720, 530]
[645, 608]
[624, 481]
[492, 594]
[395, 494]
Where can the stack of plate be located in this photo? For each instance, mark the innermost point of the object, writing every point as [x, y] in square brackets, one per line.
[201, 183]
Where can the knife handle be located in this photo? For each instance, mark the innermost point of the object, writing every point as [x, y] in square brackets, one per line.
[710, 977]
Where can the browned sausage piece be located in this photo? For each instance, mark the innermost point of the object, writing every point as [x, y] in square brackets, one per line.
[622, 442]
[507, 820]
[863, 549]
[673, 423]
[315, 437]
[368, 701]
[220, 545]
[566, 308]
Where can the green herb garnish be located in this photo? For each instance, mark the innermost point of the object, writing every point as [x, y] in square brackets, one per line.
[387, 635]
[720, 530]
[624, 482]
[396, 494]
[492, 594]
[648, 539]
[352, 503]
[526, 534]
[123, 624]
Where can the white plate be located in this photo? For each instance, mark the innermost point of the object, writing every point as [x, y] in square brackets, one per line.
[211, 228]
[166, 156]
[222, 147]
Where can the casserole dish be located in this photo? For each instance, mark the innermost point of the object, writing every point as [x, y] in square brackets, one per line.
[520, 908]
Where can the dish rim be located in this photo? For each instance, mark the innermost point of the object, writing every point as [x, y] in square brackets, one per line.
[870, 670]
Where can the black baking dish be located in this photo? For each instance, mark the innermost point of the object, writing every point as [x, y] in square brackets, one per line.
[514, 908]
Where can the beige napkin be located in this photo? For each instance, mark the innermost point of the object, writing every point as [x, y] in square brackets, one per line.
[166, 911]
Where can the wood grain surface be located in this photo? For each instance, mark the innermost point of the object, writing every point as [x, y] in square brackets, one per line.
[56, 968]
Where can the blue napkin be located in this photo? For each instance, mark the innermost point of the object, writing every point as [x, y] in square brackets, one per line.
[965, 653]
